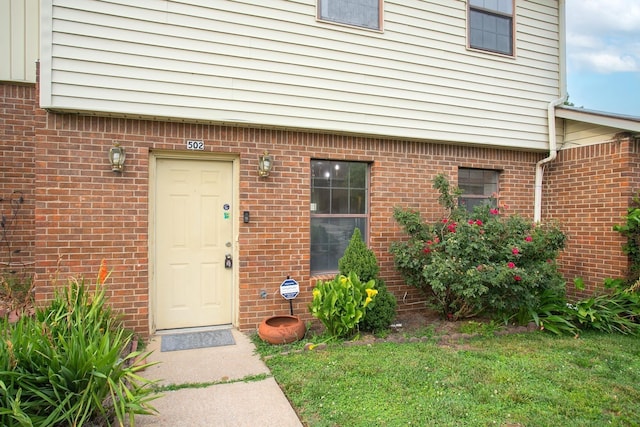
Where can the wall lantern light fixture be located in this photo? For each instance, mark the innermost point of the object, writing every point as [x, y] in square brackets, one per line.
[265, 163]
[116, 157]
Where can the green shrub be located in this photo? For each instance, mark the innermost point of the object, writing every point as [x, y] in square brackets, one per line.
[615, 311]
[468, 263]
[341, 303]
[381, 312]
[551, 314]
[67, 365]
[361, 260]
[631, 230]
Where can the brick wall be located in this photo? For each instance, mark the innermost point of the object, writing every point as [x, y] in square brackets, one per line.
[588, 189]
[401, 175]
[85, 213]
[17, 145]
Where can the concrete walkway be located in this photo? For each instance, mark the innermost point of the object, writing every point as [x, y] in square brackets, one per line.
[253, 403]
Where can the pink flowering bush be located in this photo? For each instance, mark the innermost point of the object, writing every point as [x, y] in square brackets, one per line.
[469, 263]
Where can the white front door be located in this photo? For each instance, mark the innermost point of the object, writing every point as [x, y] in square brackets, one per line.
[193, 236]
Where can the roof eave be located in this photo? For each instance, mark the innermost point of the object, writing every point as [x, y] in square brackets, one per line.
[618, 121]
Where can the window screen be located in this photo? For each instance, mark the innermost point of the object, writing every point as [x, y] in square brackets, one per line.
[491, 25]
[360, 13]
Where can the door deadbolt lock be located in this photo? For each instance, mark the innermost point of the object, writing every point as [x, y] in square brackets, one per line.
[228, 262]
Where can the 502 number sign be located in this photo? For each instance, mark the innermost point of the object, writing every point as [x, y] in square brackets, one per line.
[193, 144]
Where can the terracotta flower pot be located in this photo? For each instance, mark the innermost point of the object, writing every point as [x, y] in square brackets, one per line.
[139, 360]
[281, 329]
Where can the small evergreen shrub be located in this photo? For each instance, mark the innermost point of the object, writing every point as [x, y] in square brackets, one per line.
[359, 259]
[382, 311]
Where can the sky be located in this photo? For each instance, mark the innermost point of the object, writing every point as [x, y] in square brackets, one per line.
[603, 55]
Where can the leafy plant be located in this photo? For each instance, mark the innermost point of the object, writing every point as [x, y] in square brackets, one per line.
[361, 260]
[631, 230]
[68, 365]
[342, 302]
[615, 311]
[552, 314]
[381, 312]
[480, 261]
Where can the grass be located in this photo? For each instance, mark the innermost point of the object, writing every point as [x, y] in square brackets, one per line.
[533, 379]
[481, 328]
[176, 387]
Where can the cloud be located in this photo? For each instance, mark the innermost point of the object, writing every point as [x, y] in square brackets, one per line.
[603, 36]
[605, 62]
[619, 16]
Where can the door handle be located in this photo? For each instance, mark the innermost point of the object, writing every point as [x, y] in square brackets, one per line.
[228, 261]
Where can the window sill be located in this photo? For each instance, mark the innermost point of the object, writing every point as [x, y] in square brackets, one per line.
[490, 52]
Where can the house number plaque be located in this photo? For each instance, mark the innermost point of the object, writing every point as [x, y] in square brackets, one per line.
[194, 144]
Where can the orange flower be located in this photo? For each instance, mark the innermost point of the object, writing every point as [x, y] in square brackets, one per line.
[102, 274]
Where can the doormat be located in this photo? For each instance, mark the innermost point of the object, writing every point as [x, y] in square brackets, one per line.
[191, 340]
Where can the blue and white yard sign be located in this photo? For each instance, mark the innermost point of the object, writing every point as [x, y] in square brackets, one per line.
[289, 289]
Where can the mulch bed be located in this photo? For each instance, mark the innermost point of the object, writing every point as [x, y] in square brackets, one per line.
[408, 325]
[424, 326]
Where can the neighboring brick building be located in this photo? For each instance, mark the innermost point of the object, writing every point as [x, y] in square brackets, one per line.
[349, 138]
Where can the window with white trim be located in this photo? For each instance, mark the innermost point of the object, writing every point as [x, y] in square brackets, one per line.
[479, 187]
[339, 205]
[491, 25]
[359, 13]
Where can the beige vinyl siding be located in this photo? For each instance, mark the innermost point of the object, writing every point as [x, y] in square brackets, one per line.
[582, 133]
[19, 40]
[273, 64]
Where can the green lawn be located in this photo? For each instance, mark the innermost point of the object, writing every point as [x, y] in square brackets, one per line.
[533, 379]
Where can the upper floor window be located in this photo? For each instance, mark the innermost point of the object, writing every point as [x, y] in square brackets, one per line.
[479, 187]
[491, 25]
[359, 13]
[339, 194]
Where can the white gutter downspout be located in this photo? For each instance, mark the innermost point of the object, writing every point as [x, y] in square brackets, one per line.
[551, 117]
[553, 151]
